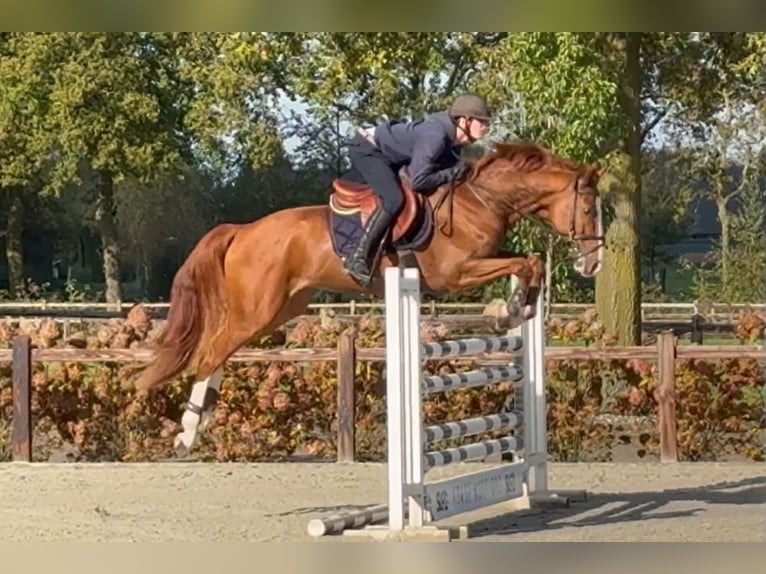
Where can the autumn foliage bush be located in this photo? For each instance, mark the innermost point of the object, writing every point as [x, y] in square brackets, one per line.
[272, 410]
[595, 405]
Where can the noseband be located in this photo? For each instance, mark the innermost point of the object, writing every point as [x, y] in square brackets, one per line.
[573, 236]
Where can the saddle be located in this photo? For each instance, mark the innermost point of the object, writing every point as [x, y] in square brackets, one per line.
[349, 198]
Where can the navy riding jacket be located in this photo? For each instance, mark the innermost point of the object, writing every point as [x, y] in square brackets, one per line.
[425, 146]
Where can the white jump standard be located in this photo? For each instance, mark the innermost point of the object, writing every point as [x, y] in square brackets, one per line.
[409, 496]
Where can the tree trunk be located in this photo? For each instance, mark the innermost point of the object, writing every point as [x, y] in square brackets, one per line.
[723, 218]
[105, 213]
[145, 270]
[14, 251]
[618, 286]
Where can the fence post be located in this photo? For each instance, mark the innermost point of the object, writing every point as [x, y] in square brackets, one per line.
[21, 434]
[697, 334]
[346, 399]
[665, 394]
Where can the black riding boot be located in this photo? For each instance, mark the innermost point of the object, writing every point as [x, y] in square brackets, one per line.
[358, 262]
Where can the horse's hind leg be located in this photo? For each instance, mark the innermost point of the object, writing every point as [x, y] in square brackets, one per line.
[241, 327]
[199, 407]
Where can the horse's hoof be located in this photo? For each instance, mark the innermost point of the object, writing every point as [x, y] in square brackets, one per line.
[528, 312]
[517, 315]
[515, 305]
[181, 445]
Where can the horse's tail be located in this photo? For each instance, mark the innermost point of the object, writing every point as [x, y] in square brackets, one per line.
[197, 308]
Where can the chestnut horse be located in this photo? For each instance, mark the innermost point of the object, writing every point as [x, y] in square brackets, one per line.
[243, 281]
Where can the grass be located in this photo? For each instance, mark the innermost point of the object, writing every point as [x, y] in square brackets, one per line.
[679, 283]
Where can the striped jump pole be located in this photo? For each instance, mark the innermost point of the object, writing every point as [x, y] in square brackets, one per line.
[471, 451]
[337, 523]
[413, 503]
[477, 378]
[406, 385]
[472, 426]
[473, 346]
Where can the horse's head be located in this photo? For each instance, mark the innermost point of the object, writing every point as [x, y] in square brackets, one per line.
[575, 211]
[527, 179]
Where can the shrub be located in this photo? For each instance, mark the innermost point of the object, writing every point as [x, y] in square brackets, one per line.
[272, 410]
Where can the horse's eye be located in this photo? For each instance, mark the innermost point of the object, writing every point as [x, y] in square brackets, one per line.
[587, 211]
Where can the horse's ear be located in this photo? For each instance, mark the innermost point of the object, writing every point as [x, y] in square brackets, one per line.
[592, 175]
[584, 177]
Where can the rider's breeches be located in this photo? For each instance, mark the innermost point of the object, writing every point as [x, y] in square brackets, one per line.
[369, 166]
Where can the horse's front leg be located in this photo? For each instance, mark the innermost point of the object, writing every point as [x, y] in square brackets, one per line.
[530, 273]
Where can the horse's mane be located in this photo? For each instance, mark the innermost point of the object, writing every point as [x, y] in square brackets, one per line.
[523, 157]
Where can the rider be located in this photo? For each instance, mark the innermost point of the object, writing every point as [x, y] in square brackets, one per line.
[430, 150]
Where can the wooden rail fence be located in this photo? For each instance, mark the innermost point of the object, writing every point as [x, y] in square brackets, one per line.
[22, 356]
[650, 312]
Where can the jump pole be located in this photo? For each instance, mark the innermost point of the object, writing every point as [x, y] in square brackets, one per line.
[524, 481]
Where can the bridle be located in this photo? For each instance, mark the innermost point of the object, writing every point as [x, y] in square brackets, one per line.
[599, 236]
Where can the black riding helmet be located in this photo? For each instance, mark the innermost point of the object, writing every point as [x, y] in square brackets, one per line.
[470, 106]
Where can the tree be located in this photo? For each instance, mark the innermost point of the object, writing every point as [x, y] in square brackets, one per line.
[719, 95]
[602, 96]
[365, 77]
[138, 106]
[234, 82]
[728, 163]
[25, 144]
[113, 112]
[737, 273]
[667, 194]
[166, 215]
[346, 80]
[579, 94]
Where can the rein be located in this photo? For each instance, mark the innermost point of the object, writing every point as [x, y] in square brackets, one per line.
[448, 194]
